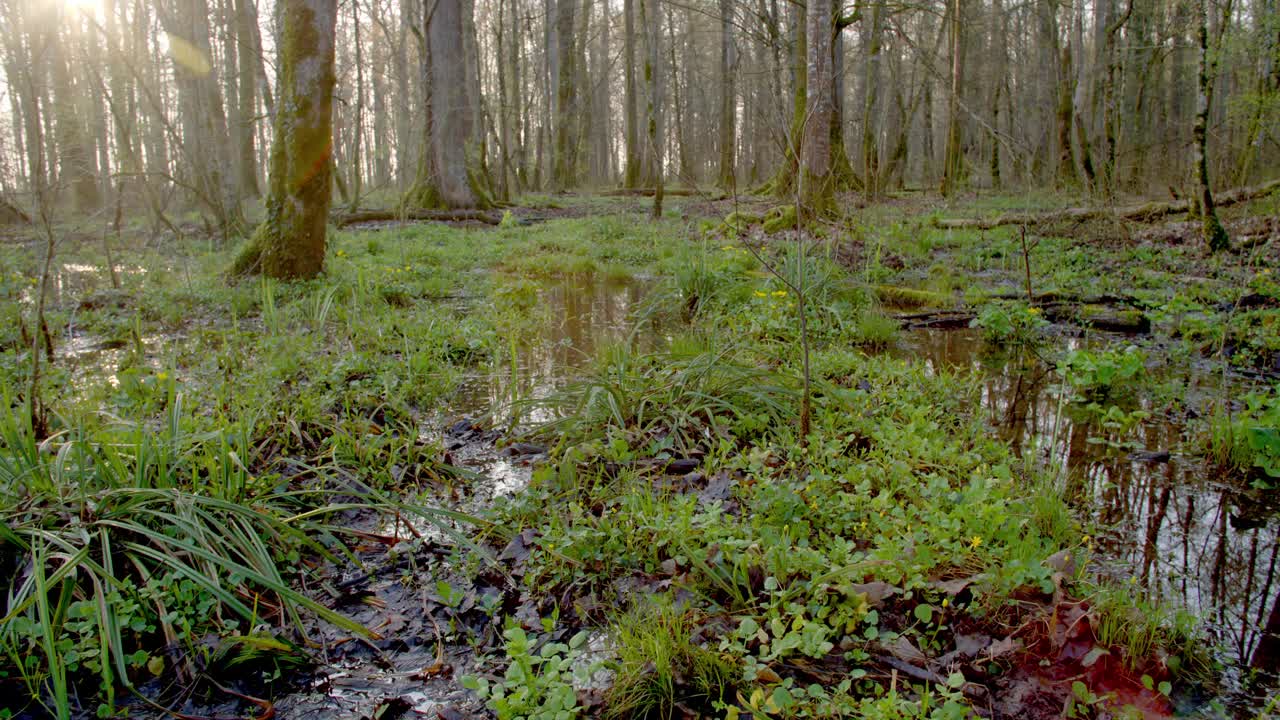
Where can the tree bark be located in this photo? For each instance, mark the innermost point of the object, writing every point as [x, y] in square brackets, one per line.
[450, 175]
[816, 191]
[728, 99]
[1211, 230]
[953, 162]
[291, 243]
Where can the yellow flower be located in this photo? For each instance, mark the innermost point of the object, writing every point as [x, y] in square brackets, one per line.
[727, 247]
[341, 253]
[945, 602]
[779, 293]
[1034, 311]
[975, 541]
[162, 375]
[760, 293]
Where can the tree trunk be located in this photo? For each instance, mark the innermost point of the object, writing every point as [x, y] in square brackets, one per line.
[651, 22]
[1001, 52]
[564, 159]
[450, 175]
[291, 243]
[1211, 230]
[816, 192]
[248, 91]
[953, 163]
[74, 156]
[631, 100]
[358, 132]
[205, 142]
[728, 100]
[1080, 102]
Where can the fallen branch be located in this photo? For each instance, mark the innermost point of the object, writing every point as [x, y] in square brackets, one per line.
[362, 216]
[1147, 212]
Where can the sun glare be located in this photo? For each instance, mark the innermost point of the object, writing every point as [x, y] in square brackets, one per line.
[94, 8]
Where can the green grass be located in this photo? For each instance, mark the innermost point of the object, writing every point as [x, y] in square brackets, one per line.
[659, 665]
[195, 475]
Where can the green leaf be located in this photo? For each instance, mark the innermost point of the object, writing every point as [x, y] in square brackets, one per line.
[923, 612]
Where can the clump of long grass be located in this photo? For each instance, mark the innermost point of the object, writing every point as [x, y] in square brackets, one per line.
[103, 527]
[661, 667]
[685, 397]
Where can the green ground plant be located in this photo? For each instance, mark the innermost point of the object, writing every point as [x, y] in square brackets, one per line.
[1010, 323]
[199, 462]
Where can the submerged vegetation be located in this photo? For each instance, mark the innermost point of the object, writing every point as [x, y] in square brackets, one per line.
[238, 482]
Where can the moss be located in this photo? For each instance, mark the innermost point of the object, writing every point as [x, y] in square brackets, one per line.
[1107, 318]
[249, 258]
[780, 218]
[910, 297]
[1215, 236]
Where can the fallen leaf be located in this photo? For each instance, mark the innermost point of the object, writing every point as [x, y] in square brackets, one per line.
[1002, 647]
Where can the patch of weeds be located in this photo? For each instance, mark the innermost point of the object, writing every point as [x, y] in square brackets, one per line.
[660, 666]
[1106, 373]
[1249, 440]
[1010, 323]
[540, 679]
[172, 540]
[667, 402]
[875, 329]
[1137, 628]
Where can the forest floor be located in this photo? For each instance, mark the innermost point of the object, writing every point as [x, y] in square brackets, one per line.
[553, 467]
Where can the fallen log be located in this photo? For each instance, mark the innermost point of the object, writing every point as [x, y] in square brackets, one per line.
[1101, 317]
[1147, 212]
[361, 216]
[648, 192]
[941, 320]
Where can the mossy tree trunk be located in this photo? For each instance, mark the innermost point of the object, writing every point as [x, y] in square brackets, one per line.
[782, 184]
[1215, 237]
[290, 244]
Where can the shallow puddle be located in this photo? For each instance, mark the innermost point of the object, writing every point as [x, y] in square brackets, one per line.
[588, 312]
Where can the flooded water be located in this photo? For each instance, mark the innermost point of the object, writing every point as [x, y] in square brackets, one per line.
[588, 312]
[1166, 522]
[72, 281]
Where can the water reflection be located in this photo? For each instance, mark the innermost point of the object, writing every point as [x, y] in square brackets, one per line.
[588, 312]
[1197, 540]
[69, 282]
